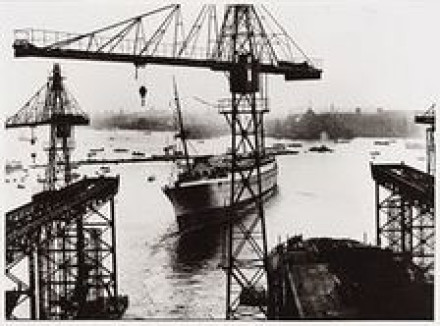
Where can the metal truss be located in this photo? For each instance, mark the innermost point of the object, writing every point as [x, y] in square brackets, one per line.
[428, 118]
[158, 37]
[68, 249]
[405, 219]
[246, 236]
[243, 42]
[53, 105]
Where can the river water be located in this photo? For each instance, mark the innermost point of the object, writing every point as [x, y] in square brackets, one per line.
[170, 276]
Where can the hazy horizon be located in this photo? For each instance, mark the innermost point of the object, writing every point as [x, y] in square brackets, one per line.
[374, 54]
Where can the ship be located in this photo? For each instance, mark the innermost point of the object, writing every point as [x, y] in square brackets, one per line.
[200, 187]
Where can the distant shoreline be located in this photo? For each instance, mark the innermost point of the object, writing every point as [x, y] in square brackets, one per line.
[306, 126]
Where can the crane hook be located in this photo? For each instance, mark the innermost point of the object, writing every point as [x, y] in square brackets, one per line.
[143, 93]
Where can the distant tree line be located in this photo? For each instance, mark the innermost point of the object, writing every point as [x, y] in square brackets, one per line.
[338, 125]
[310, 125]
[196, 126]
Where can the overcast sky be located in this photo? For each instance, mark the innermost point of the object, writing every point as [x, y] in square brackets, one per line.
[374, 54]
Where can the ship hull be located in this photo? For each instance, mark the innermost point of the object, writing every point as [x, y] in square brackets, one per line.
[203, 203]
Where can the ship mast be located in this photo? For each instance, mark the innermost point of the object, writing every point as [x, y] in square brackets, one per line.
[181, 133]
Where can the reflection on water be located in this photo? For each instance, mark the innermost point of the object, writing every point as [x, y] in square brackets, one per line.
[193, 250]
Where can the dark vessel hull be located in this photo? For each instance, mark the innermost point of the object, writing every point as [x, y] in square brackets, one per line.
[327, 279]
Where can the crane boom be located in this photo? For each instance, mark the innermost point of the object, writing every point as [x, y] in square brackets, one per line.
[291, 71]
[129, 42]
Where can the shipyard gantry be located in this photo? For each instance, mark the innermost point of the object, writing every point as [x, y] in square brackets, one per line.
[61, 246]
[248, 44]
[405, 205]
[60, 254]
[405, 219]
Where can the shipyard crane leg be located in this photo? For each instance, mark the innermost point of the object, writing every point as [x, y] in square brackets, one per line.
[430, 150]
[58, 170]
[246, 236]
[246, 241]
[428, 118]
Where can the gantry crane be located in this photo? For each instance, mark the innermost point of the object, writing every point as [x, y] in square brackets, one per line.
[53, 105]
[249, 43]
[61, 238]
[428, 118]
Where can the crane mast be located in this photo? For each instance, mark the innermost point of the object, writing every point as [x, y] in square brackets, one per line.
[181, 134]
[428, 118]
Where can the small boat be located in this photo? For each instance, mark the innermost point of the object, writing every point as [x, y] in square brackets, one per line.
[294, 145]
[381, 142]
[13, 166]
[151, 178]
[279, 146]
[120, 150]
[105, 169]
[95, 150]
[320, 149]
[280, 151]
[136, 153]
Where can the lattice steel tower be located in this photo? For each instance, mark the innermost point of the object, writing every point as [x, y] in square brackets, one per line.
[53, 105]
[428, 118]
[241, 40]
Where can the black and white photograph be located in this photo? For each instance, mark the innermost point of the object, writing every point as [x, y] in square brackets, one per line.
[219, 162]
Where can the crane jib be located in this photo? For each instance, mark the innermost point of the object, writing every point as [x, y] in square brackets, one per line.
[291, 71]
